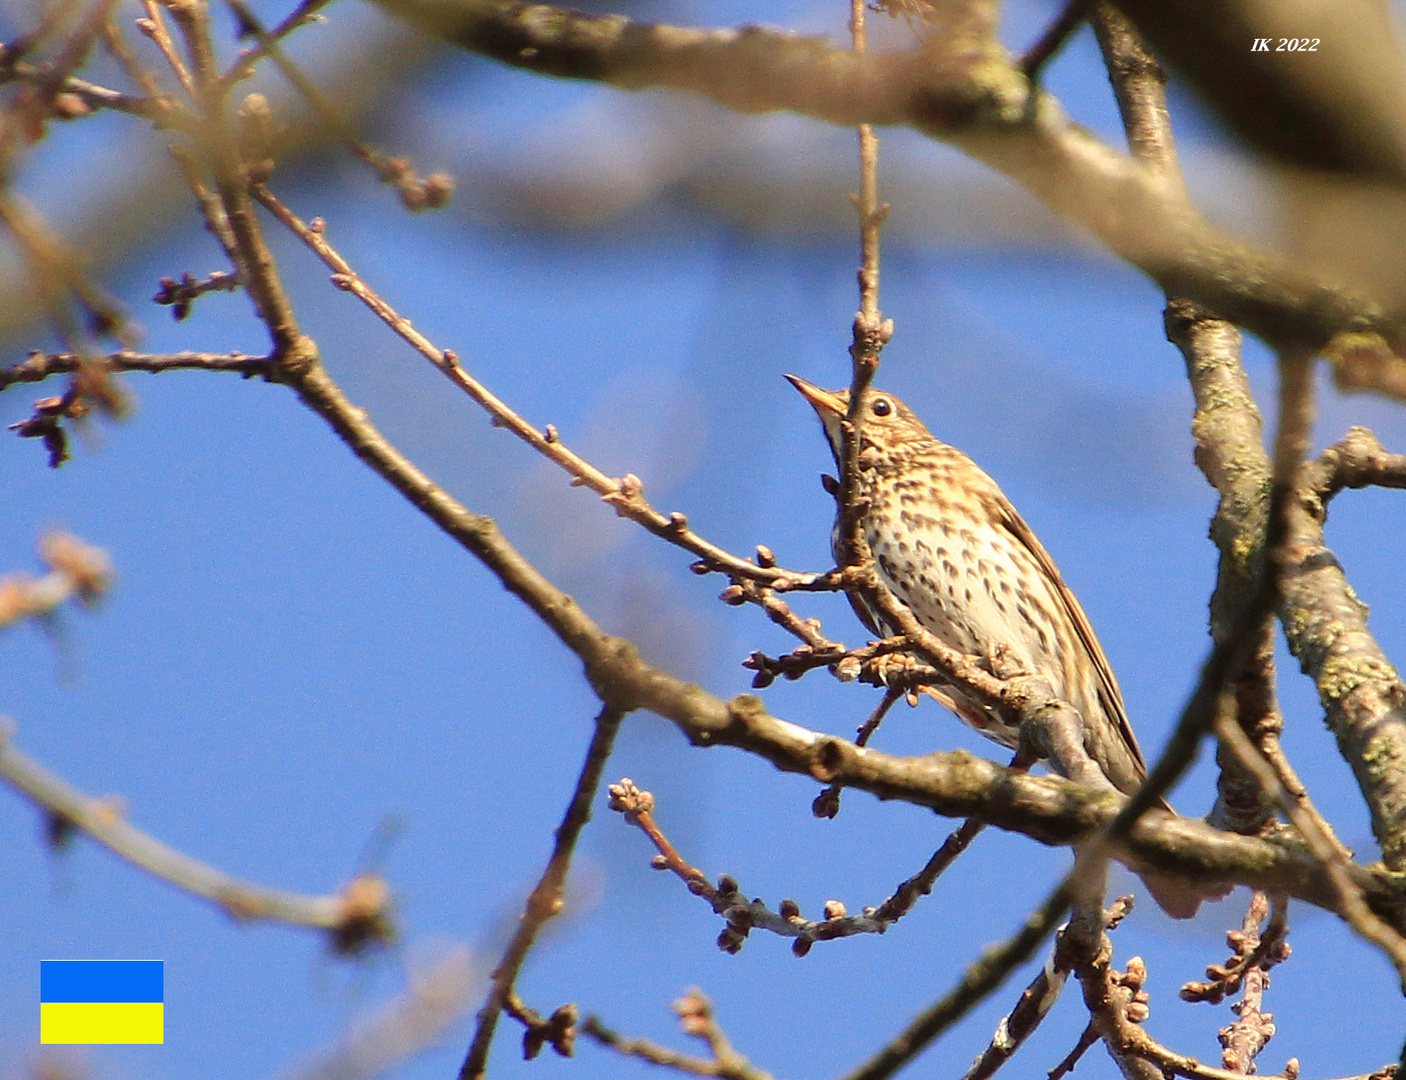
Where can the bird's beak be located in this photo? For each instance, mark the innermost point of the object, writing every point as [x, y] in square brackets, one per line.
[825, 402]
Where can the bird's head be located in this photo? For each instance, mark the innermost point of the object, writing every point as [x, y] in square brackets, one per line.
[889, 425]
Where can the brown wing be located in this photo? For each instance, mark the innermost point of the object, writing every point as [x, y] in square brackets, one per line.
[1109, 695]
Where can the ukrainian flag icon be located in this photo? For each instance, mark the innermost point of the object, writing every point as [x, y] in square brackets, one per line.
[101, 1001]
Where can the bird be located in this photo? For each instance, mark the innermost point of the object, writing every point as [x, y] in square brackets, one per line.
[951, 547]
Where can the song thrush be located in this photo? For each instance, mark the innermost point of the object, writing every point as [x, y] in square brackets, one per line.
[951, 547]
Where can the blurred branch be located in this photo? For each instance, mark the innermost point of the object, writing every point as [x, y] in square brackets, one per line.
[435, 999]
[77, 572]
[355, 918]
[1338, 105]
[980, 102]
[416, 192]
[107, 221]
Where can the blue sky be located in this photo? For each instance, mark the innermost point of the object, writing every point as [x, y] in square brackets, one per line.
[291, 655]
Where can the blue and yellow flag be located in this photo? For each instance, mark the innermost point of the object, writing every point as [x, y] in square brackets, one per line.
[101, 1001]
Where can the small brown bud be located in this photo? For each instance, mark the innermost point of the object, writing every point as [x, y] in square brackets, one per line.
[678, 522]
[834, 910]
[700, 567]
[733, 595]
[765, 558]
[551, 434]
[789, 910]
[801, 946]
[659, 863]
[317, 226]
[1291, 1069]
[342, 281]
[847, 670]
[826, 804]
[830, 484]
[727, 885]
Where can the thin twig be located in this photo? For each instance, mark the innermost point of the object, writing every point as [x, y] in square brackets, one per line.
[743, 915]
[41, 366]
[549, 895]
[1252, 949]
[243, 65]
[626, 495]
[1253, 1028]
[827, 803]
[416, 192]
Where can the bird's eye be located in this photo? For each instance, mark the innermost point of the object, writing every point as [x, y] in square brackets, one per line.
[881, 407]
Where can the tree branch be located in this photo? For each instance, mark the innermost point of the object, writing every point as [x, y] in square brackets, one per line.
[355, 918]
[978, 100]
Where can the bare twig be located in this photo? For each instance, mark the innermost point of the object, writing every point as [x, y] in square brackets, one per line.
[557, 1030]
[1053, 39]
[1087, 1039]
[154, 27]
[549, 895]
[180, 295]
[41, 366]
[416, 192]
[1350, 903]
[626, 494]
[827, 803]
[743, 915]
